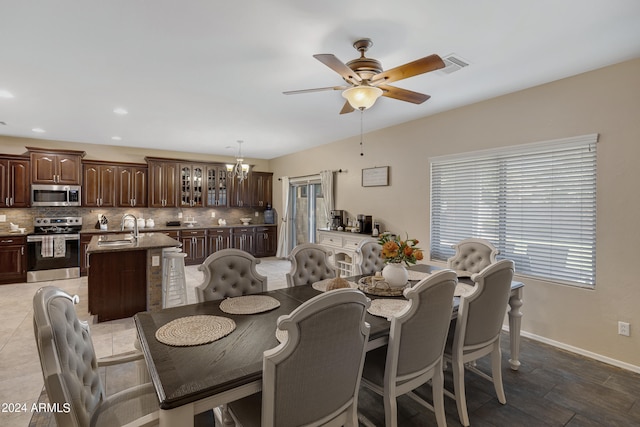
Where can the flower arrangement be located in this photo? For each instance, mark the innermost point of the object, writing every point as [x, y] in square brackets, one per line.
[395, 250]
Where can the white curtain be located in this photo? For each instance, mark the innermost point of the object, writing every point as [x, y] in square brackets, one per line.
[326, 182]
[283, 234]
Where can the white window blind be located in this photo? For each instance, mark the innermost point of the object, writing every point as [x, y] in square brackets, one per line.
[535, 202]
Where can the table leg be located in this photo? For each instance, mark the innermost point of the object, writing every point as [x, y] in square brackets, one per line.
[181, 416]
[515, 320]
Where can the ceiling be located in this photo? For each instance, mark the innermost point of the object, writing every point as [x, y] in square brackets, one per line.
[198, 75]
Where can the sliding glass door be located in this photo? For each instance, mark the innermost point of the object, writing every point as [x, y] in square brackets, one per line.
[307, 211]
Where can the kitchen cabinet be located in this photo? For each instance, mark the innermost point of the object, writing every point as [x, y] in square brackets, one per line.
[15, 178]
[218, 239]
[99, 185]
[62, 167]
[163, 183]
[85, 238]
[13, 259]
[261, 189]
[216, 186]
[243, 238]
[194, 244]
[265, 242]
[131, 186]
[239, 192]
[192, 182]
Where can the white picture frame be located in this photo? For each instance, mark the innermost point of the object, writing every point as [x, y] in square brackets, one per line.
[375, 177]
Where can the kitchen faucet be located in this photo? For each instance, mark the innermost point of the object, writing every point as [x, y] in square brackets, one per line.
[135, 224]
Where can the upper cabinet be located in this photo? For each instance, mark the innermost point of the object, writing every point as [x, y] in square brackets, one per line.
[132, 186]
[163, 183]
[240, 192]
[99, 188]
[262, 189]
[56, 166]
[216, 186]
[15, 177]
[192, 185]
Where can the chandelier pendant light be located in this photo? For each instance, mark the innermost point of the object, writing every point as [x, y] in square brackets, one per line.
[238, 170]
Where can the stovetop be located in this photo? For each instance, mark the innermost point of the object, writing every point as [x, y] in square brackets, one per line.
[62, 225]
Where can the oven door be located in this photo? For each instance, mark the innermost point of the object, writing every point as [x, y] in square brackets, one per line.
[53, 257]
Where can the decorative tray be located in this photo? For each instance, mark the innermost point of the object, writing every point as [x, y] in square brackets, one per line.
[379, 287]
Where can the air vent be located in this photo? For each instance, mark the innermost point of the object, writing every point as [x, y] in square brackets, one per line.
[453, 63]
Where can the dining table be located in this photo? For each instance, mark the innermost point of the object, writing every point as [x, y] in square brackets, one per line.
[191, 379]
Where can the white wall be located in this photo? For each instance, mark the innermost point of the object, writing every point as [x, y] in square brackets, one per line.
[605, 101]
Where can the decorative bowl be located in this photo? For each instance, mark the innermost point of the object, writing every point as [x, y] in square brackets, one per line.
[245, 221]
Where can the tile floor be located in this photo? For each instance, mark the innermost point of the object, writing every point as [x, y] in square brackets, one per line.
[20, 374]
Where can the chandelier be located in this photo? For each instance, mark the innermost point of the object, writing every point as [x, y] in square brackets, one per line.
[239, 169]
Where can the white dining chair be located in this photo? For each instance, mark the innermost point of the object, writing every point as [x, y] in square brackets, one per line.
[309, 264]
[472, 256]
[369, 258]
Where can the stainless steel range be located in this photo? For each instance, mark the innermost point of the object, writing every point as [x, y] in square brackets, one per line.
[53, 249]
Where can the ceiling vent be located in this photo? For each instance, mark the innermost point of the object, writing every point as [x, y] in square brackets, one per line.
[453, 63]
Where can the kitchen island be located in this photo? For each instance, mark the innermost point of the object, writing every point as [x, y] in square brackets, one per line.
[125, 274]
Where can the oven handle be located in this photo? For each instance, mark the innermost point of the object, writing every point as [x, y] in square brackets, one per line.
[39, 238]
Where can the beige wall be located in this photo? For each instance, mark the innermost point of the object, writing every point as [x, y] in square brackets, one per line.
[605, 101]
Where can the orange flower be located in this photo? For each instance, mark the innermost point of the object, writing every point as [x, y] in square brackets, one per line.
[390, 249]
[408, 250]
[418, 254]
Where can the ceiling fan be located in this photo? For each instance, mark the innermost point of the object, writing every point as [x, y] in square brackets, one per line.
[366, 80]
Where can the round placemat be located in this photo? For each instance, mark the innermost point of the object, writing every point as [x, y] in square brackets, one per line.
[387, 307]
[321, 285]
[195, 330]
[249, 304]
[417, 275]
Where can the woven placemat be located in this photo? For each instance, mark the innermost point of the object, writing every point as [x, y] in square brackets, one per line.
[249, 304]
[321, 285]
[463, 290]
[417, 275]
[387, 308]
[195, 330]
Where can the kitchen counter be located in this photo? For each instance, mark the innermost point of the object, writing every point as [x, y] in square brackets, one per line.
[146, 241]
[168, 228]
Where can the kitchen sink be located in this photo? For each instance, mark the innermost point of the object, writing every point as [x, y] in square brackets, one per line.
[117, 240]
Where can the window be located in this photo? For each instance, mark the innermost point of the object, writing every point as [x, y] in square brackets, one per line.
[535, 202]
[307, 211]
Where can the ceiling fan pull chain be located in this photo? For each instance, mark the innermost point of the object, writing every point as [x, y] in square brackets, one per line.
[361, 130]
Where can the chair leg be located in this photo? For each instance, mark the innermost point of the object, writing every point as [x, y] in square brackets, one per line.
[437, 387]
[496, 372]
[390, 409]
[459, 390]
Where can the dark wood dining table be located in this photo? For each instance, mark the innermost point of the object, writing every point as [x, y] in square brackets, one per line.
[194, 379]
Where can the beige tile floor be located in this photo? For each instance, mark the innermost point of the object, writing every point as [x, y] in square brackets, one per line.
[20, 374]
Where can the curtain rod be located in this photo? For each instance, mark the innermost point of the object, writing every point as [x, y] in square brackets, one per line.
[306, 176]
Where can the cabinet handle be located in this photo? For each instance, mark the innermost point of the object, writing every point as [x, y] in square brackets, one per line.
[6, 241]
[22, 250]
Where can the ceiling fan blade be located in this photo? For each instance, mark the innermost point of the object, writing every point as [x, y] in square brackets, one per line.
[347, 108]
[319, 89]
[338, 66]
[403, 94]
[419, 66]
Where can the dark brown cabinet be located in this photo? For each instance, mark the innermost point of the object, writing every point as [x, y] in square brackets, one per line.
[192, 185]
[265, 241]
[131, 186]
[163, 184]
[84, 258]
[218, 239]
[239, 192]
[56, 167]
[15, 177]
[243, 238]
[261, 189]
[194, 244]
[99, 185]
[216, 186]
[13, 259]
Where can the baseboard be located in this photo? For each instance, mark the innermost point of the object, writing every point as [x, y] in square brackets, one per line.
[580, 351]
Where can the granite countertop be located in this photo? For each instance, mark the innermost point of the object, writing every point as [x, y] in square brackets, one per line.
[14, 234]
[144, 242]
[168, 228]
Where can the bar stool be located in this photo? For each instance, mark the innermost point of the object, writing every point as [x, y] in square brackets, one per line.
[174, 287]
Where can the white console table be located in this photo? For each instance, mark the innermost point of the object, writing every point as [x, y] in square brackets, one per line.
[342, 245]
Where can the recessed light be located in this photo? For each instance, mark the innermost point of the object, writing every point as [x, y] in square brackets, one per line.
[121, 111]
[116, 138]
[38, 130]
[5, 94]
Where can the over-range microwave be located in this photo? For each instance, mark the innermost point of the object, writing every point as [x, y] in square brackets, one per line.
[55, 195]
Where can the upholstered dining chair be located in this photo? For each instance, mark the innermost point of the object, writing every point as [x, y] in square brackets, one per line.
[414, 354]
[472, 256]
[369, 257]
[477, 332]
[309, 263]
[229, 273]
[312, 378]
[70, 369]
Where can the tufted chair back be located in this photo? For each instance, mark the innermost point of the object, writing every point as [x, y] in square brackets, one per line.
[309, 264]
[229, 273]
[472, 256]
[67, 357]
[370, 260]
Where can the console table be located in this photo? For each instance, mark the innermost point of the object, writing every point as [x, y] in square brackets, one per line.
[343, 245]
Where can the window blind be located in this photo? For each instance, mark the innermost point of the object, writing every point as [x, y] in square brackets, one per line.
[535, 202]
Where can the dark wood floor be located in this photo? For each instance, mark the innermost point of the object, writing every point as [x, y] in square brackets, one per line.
[552, 388]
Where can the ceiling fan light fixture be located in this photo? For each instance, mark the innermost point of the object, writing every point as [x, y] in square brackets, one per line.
[362, 97]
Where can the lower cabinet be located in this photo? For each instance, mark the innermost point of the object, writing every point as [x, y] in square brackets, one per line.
[243, 238]
[13, 259]
[218, 239]
[266, 242]
[194, 244]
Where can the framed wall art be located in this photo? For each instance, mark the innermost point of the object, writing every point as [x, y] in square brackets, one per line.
[375, 177]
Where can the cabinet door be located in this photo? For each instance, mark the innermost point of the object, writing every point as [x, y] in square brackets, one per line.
[218, 239]
[91, 186]
[69, 167]
[171, 184]
[194, 244]
[261, 188]
[4, 184]
[163, 184]
[43, 168]
[239, 192]
[139, 186]
[243, 239]
[185, 185]
[13, 260]
[19, 181]
[55, 168]
[266, 241]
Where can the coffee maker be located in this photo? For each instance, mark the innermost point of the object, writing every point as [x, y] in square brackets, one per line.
[365, 223]
[337, 219]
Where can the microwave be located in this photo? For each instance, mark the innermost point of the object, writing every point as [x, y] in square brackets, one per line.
[55, 195]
